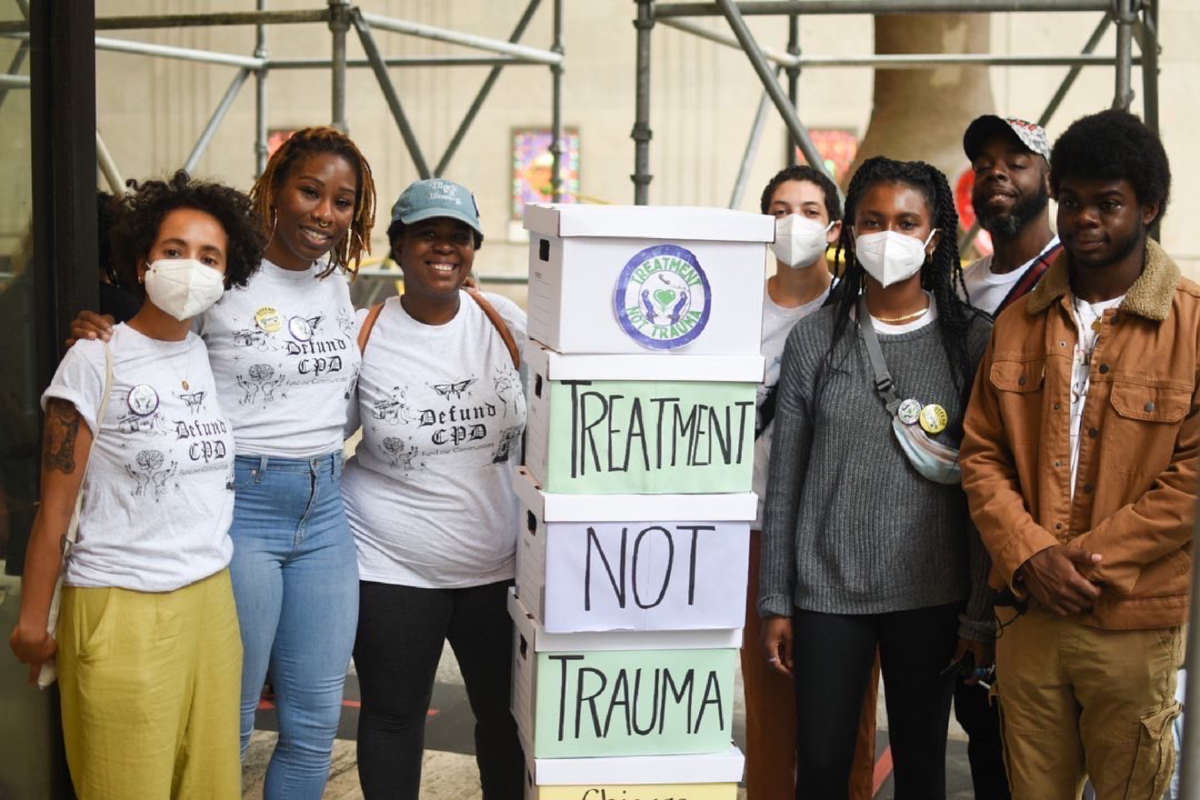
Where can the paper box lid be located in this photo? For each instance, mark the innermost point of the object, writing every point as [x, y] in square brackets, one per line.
[541, 641]
[644, 367]
[722, 767]
[734, 507]
[650, 222]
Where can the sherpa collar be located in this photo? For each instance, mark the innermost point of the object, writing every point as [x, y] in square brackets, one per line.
[1149, 297]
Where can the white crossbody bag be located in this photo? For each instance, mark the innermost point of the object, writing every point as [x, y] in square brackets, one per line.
[49, 672]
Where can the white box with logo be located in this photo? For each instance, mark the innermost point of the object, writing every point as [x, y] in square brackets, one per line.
[637, 279]
[641, 424]
[711, 776]
[584, 562]
[621, 693]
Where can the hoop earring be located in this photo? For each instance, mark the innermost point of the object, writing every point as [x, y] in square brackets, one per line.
[274, 222]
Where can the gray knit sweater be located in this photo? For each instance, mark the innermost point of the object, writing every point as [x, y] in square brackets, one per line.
[850, 526]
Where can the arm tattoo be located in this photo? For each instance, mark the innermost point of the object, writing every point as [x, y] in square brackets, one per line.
[62, 428]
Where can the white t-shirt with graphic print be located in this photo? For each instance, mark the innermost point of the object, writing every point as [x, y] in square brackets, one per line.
[1087, 323]
[284, 356]
[777, 324]
[428, 491]
[158, 496]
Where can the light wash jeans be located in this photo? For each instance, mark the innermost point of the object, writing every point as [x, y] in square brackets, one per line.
[295, 580]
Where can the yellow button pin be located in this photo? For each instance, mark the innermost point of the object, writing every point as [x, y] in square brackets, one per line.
[934, 418]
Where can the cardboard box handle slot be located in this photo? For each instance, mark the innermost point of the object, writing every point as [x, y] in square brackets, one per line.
[544, 249]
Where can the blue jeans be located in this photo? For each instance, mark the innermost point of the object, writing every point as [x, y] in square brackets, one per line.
[295, 580]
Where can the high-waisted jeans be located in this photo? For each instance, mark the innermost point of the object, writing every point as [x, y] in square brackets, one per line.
[295, 580]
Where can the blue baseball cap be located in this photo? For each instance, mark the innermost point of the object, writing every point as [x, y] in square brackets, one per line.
[437, 197]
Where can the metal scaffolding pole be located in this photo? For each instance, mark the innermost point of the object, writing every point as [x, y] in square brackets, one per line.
[780, 7]
[782, 59]
[484, 91]
[641, 134]
[339, 23]
[218, 116]
[180, 53]
[260, 95]
[756, 130]
[786, 110]
[1125, 12]
[1055, 101]
[1150, 48]
[389, 93]
[405, 61]
[466, 39]
[147, 21]
[556, 126]
[793, 82]
[1073, 73]
[13, 67]
[14, 82]
[108, 166]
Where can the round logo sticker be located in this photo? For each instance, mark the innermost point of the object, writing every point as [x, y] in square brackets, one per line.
[143, 400]
[268, 319]
[299, 328]
[663, 298]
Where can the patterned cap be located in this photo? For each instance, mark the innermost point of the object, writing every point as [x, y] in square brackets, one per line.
[1031, 135]
[437, 197]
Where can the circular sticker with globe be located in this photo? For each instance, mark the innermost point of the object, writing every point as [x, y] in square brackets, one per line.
[663, 297]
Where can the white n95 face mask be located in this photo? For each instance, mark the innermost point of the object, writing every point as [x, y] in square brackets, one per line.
[183, 287]
[799, 240]
[890, 257]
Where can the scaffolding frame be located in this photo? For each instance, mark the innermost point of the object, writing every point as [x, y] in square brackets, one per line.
[341, 17]
[1136, 20]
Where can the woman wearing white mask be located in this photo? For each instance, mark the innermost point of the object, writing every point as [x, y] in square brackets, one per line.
[808, 212]
[866, 541]
[148, 650]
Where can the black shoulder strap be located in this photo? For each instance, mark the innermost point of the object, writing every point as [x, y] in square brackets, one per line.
[883, 379]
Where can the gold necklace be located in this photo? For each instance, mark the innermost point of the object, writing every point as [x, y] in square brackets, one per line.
[905, 318]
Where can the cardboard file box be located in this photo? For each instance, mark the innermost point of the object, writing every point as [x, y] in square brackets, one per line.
[582, 695]
[641, 424]
[582, 565]
[632, 279]
[712, 776]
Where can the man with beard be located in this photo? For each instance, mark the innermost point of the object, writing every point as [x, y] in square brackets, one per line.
[1011, 198]
[1011, 160]
[1079, 459]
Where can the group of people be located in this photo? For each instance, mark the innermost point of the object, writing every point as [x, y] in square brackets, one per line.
[977, 483]
[221, 542]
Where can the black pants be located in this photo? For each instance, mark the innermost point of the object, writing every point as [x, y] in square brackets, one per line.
[833, 655]
[981, 720]
[401, 630]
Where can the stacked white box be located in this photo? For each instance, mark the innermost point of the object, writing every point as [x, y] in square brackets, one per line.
[636, 502]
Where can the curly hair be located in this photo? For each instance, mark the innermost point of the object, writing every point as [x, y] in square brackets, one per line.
[1114, 145]
[941, 275]
[139, 215]
[803, 172]
[348, 251]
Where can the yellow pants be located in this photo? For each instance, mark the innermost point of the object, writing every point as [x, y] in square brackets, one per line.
[150, 686]
[1078, 701]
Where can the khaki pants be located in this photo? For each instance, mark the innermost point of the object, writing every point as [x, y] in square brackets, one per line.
[771, 714]
[150, 685]
[1082, 702]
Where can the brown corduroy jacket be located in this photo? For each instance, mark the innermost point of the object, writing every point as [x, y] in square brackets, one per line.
[1135, 493]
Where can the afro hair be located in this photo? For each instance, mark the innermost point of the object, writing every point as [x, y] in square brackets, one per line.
[1113, 145]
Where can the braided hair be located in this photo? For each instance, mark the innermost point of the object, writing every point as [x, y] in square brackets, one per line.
[941, 275]
[348, 251]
